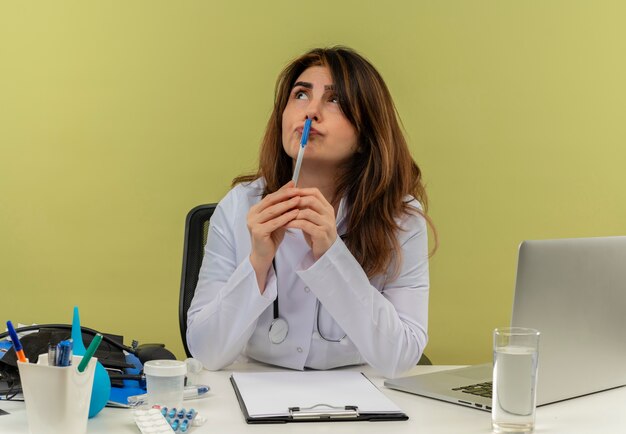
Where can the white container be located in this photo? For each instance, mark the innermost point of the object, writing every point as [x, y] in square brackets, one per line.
[57, 398]
[165, 381]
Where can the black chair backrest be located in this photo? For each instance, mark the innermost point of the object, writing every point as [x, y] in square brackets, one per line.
[196, 231]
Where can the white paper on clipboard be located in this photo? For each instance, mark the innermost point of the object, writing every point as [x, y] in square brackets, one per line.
[274, 393]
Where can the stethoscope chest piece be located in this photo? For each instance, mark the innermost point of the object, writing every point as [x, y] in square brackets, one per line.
[278, 330]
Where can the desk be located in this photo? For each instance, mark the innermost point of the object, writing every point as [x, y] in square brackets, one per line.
[598, 413]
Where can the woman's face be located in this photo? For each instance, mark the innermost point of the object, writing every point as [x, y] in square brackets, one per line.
[332, 139]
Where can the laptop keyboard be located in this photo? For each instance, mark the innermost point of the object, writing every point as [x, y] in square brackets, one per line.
[480, 389]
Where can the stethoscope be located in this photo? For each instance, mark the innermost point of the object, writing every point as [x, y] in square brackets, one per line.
[279, 328]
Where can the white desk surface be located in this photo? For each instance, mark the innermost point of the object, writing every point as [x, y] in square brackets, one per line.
[598, 413]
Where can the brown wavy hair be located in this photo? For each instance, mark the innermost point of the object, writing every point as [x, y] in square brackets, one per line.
[377, 179]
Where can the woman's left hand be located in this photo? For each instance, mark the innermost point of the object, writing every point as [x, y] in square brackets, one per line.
[316, 219]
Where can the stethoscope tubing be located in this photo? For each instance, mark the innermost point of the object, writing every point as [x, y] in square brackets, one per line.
[279, 327]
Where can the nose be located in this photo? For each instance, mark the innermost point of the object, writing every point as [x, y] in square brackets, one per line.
[313, 111]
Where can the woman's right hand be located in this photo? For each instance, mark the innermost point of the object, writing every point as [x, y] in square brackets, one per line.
[266, 224]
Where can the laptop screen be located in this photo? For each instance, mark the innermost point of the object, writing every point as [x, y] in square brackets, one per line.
[574, 292]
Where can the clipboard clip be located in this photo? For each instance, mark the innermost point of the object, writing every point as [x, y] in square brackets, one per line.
[324, 411]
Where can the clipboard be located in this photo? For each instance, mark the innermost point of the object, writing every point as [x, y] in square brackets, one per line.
[311, 396]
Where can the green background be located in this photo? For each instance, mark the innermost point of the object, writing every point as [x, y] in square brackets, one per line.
[118, 117]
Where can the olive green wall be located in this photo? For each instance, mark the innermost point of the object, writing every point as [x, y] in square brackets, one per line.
[117, 117]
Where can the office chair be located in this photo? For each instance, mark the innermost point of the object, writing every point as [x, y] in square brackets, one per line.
[196, 231]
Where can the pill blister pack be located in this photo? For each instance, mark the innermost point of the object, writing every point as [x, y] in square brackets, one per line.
[161, 420]
[152, 422]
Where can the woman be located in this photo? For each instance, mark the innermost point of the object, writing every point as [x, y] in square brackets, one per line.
[333, 271]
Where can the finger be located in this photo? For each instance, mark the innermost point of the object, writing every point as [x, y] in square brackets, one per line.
[314, 203]
[316, 194]
[314, 217]
[312, 191]
[281, 221]
[277, 209]
[285, 192]
[258, 215]
[306, 226]
[269, 201]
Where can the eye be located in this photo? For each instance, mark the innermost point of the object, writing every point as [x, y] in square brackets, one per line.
[299, 94]
[334, 99]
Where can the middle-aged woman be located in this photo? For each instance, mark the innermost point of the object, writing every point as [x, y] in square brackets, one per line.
[333, 271]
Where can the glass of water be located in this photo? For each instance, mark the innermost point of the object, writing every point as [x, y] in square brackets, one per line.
[515, 356]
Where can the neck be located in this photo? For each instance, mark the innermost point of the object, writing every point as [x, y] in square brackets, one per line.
[320, 177]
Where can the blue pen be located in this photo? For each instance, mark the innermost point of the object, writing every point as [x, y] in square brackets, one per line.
[303, 142]
[16, 343]
[195, 391]
[64, 353]
[189, 392]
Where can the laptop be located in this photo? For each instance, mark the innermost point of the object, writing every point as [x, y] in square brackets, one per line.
[574, 292]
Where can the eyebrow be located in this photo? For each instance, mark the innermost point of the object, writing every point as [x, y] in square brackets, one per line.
[308, 85]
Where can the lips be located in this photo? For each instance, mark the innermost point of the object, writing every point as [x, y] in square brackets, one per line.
[312, 131]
